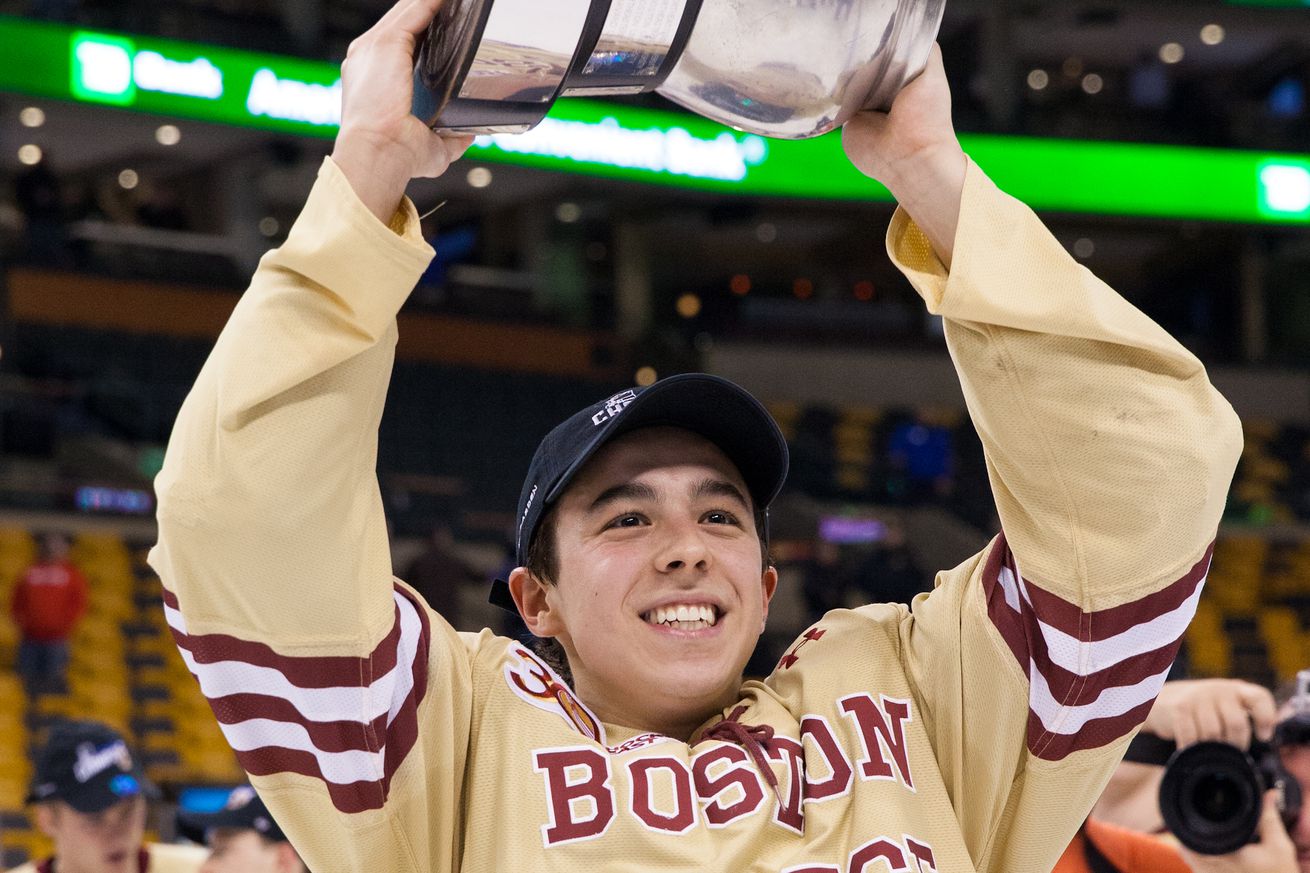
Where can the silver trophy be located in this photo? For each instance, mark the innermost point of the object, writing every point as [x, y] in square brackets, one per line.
[790, 69]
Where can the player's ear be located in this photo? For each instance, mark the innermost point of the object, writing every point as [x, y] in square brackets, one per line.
[768, 585]
[535, 601]
[287, 859]
[46, 819]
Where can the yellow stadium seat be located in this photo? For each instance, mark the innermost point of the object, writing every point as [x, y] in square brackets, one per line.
[36, 844]
[13, 792]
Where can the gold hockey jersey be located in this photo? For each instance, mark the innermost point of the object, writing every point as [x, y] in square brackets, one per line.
[971, 732]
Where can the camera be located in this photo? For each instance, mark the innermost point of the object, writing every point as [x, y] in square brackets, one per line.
[1212, 792]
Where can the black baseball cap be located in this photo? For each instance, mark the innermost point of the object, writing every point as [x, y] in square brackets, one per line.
[716, 409]
[243, 811]
[87, 765]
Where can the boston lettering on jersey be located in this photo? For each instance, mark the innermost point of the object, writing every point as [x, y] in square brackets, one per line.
[721, 785]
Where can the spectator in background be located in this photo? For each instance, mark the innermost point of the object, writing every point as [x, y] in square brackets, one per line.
[439, 572]
[242, 837]
[90, 799]
[46, 604]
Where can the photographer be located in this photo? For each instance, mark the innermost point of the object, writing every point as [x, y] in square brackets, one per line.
[1229, 711]
[1186, 713]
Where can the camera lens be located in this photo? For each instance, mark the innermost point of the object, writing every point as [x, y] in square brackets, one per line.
[1216, 797]
[1210, 798]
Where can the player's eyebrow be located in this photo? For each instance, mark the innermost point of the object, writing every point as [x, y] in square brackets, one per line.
[719, 488]
[624, 491]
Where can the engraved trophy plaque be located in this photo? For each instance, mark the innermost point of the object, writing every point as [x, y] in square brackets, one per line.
[790, 69]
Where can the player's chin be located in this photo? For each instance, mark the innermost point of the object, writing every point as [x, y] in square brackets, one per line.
[697, 674]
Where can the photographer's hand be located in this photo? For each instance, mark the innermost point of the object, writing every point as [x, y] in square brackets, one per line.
[914, 152]
[1274, 853]
[381, 145]
[1225, 710]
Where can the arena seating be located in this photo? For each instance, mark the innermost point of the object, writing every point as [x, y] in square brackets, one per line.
[124, 670]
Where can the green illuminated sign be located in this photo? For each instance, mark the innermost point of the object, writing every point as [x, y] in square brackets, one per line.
[293, 95]
[1285, 189]
[102, 68]
[168, 77]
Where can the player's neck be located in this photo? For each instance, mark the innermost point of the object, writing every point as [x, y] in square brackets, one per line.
[646, 713]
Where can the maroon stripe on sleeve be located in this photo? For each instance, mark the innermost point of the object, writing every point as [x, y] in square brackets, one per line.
[274, 760]
[1099, 625]
[1022, 632]
[1095, 734]
[399, 738]
[313, 671]
[1074, 689]
[1009, 622]
[403, 731]
[396, 739]
[328, 736]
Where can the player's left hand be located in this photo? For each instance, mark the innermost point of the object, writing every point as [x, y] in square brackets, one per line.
[381, 145]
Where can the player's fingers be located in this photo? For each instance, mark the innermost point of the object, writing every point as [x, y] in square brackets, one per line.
[398, 21]
[1263, 711]
[415, 16]
[391, 18]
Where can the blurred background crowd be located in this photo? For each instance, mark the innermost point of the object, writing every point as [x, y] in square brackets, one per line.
[128, 228]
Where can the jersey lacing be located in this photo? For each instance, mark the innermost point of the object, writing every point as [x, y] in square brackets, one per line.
[754, 738]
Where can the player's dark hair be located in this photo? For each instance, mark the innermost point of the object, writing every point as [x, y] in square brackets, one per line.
[543, 562]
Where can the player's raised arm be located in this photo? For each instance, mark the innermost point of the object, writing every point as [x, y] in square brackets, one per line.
[273, 547]
[1110, 456]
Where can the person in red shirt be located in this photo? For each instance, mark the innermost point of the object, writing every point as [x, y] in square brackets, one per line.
[46, 605]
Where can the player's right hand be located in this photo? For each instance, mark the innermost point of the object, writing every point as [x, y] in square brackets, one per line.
[1224, 710]
[382, 145]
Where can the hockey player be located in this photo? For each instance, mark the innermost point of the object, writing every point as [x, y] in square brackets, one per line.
[969, 733]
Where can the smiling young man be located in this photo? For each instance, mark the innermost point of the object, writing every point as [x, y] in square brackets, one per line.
[971, 733]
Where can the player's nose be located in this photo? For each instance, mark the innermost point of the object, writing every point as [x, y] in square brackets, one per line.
[682, 547]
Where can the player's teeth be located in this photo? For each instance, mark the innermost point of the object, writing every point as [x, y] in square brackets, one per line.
[683, 617]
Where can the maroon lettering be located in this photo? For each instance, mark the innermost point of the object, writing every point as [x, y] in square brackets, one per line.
[881, 849]
[818, 729]
[580, 808]
[813, 635]
[683, 817]
[922, 854]
[881, 728]
[789, 751]
[813, 868]
[741, 774]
